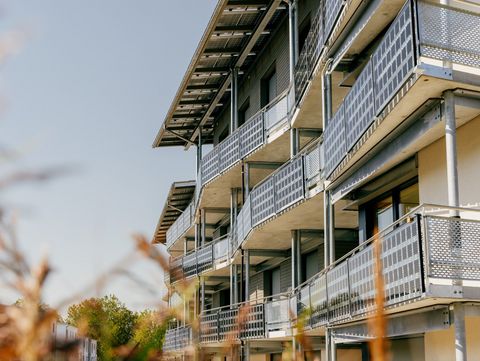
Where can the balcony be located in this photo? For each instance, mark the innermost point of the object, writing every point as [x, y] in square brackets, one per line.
[428, 49]
[429, 256]
[258, 131]
[288, 186]
[207, 258]
[180, 227]
[177, 339]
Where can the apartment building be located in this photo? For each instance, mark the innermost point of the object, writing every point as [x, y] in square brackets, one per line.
[63, 334]
[331, 137]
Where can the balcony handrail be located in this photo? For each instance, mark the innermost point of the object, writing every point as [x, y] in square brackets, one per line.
[423, 209]
[257, 301]
[211, 243]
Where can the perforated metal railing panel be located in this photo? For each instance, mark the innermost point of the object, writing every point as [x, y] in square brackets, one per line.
[204, 258]
[331, 11]
[190, 265]
[362, 282]
[184, 337]
[289, 184]
[228, 324]
[263, 201]
[169, 342]
[276, 113]
[453, 248]
[209, 327]
[180, 226]
[210, 165]
[253, 322]
[318, 294]
[251, 135]
[334, 141]
[303, 300]
[401, 264]
[359, 106]
[313, 165]
[220, 249]
[277, 315]
[229, 151]
[176, 270]
[338, 293]
[394, 59]
[246, 220]
[449, 34]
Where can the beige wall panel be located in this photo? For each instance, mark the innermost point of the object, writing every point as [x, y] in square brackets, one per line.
[407, 350]
[440, 345]
[432, 167]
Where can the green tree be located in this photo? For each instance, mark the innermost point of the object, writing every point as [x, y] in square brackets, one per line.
[106, 320]
[149, 334]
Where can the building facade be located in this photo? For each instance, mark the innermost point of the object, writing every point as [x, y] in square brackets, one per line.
[63, 334]
[343, 137]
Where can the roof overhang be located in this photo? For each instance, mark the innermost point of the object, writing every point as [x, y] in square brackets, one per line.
[238, 30]
[179, 197]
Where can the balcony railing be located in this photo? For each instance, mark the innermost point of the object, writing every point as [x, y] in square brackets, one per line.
[181, 225]
[443, 33]
[203, 259]
[247, 138]
[177, 339]
[424, 254]
[285, 187]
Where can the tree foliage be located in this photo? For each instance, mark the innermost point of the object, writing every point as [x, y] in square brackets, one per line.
[117, 329]
[106, 320]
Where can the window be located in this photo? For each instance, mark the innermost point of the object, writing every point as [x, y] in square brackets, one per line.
[385, 210]
[310, 265]
[268, 86]
[243, 112]
[304, 28]
[275, 281]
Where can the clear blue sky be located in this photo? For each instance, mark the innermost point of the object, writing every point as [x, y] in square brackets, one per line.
[89, 90]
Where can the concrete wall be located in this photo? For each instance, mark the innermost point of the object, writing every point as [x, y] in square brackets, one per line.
[432, 172]
[440, 345]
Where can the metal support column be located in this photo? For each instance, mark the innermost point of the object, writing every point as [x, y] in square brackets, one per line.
[247, 274]
[293, 37]
[234, 100]
[326, 231]
[460, 337]
[202, 294]
[246, 180]
[296, 257]
[235, 284]
[199, 153]
[331, 229]
[240, 287]
[294, 142]
[203, 227]
[451, 150]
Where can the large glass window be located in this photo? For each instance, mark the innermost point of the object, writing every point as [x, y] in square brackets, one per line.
[386, 209]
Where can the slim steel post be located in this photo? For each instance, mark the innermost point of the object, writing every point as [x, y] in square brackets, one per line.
[203, 226]
[293, 37]
[460, 337]
[451, 149]
[234, 100]
[247, 275]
